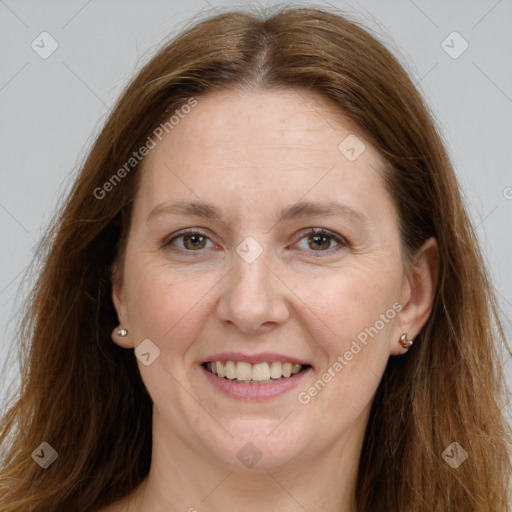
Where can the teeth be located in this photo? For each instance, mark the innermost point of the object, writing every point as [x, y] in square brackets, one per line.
[230, 370]
[260, 373]
[276, 370]
[243, 370]
[296, 368]
[220, 369]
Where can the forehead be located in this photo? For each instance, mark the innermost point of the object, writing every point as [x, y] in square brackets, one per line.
[262, 148]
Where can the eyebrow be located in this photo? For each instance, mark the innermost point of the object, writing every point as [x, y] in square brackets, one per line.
[298, 210]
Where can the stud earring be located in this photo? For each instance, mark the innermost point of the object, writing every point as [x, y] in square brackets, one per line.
[122, 332]
[405, 341]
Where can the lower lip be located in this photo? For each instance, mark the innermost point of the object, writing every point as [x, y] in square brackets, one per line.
[254, 391]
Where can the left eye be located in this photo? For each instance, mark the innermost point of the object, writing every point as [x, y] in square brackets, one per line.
[318, 238]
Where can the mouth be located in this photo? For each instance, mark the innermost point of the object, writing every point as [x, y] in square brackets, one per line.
[253, 377]
[261, 373]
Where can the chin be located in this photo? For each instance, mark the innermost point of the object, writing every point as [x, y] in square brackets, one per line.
[257, 444]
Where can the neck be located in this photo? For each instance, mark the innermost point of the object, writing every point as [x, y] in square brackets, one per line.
[182, 479]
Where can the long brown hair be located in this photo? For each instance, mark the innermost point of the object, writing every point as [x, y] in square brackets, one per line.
[83, 394]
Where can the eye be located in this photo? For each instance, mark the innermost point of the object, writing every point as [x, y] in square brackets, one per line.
[319, 240]
[322, 239]
[192, 241]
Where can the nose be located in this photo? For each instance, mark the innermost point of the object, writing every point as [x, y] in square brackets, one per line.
[254, 297]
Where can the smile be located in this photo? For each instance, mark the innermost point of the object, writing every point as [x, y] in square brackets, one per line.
[259, 373]
[254, 377]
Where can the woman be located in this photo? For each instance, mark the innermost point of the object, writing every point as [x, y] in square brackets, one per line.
[263, 293]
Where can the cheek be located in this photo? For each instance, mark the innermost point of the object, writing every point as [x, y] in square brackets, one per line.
[164, 305]
[351, 305]
[354, 318]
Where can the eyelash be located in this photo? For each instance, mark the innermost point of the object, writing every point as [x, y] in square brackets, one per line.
[312, 232]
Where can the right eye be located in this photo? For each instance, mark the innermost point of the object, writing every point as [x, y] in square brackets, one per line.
[192, 240]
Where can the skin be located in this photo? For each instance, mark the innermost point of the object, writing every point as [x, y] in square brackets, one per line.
[252, 153]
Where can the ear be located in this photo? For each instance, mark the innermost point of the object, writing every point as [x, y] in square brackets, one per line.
[119, 301]
[417, 295]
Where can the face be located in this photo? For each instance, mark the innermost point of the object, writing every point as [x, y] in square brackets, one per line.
[259, 291]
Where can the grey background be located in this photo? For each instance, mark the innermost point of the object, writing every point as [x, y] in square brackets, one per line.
[52, 108]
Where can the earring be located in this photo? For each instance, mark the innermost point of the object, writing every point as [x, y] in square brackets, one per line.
[405, 341]
[122, 332]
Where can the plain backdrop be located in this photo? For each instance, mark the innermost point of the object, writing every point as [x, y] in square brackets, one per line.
[52, 105]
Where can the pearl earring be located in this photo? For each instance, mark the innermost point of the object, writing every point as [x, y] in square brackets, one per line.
[405, 341]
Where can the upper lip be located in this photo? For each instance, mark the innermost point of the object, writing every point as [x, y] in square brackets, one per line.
[264, 357]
